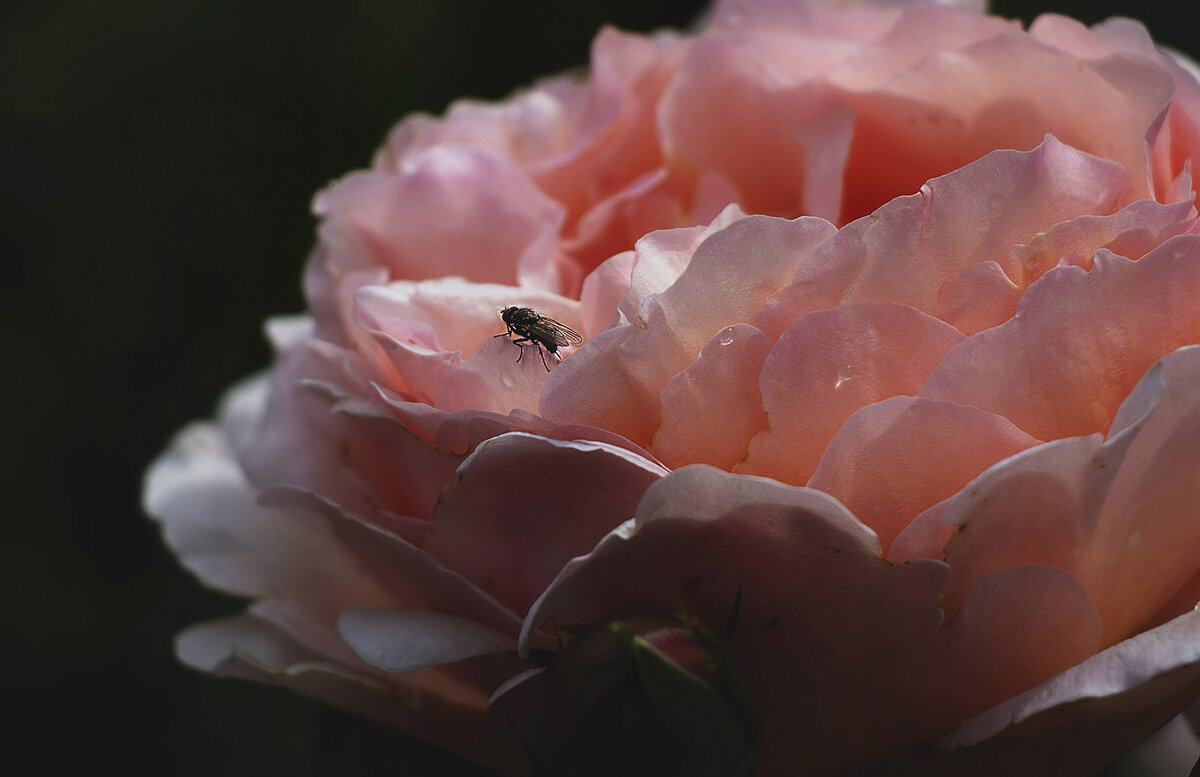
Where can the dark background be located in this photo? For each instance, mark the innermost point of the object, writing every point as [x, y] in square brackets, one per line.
[158, 160]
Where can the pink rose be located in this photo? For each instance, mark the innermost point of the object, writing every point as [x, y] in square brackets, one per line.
[890, 323]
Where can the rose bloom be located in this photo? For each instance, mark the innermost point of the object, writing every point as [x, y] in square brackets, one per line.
[891, 348]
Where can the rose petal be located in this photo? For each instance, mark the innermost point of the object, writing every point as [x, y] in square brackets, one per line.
[1079, 342]
[914, 247]
[524, 505]
[857, 665]
[441, 705]
[1087, 715]
[1130, 232]
[615, 381]
[454, 211]
[780, 139]
[953, 107]
[1113, 513]
[895, 458]
[400, 640]
[712, 408]
[829, 364]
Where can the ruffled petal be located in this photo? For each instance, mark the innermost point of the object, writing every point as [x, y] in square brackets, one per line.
[893, 459]
[1116, 513]
[780, 139]
[829, 364]
[712, 408]
[836, 669]
[915, 247]
[1079, 342]
[616, 379]
[523, 505]
[454, 211]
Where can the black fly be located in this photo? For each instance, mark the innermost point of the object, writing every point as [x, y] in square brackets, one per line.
[544, 332]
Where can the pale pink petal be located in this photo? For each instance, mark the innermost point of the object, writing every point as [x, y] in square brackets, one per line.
[443, 705]
[712, 408]
[417, 334]
[778, 138]
[913, 248]
[454, 211]
[660, 257]
[1079, 342]
[458, 433]
[603, 289]
[922, 30]
[500, 377]
[535, 124]
[211, 518]
[1118, 514]
[523, 505]
[852, 23]
[891, 460]
[1084, 717]
[616, 379]
[856, 666]
[829, 364]
[403, 640]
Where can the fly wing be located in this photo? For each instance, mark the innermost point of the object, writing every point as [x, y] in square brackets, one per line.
[550, 331]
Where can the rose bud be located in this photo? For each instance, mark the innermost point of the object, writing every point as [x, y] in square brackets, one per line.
[644, 696]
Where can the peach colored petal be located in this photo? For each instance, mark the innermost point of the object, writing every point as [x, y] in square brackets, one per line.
[829, 364]
[893, 459]
[1084, 717]
[915, 247]
[1130, 232]
[617, 137]
[924, 537]
[454, 211]
[711, 409]
[616, 379]
[523, 505]
[1079, 342]
[1118, 514]
[855, 666]
[780, 139]
[1178, 140]
[953, 107]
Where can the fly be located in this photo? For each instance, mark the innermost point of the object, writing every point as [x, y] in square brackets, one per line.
[544, 332]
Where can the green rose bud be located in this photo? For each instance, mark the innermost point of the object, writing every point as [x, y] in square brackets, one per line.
[644, 697]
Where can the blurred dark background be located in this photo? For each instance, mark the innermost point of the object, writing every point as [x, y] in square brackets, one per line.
[160, 159]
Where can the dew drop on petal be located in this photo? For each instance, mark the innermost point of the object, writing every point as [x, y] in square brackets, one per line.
[844, 375]
[1134, 539]
[726, 336]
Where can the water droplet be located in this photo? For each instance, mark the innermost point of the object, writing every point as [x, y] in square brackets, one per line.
[726, 336]
[1134, 539]
[844, 375]
[507, 381]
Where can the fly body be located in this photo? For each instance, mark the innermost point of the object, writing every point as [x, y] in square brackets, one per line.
[529, 326]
